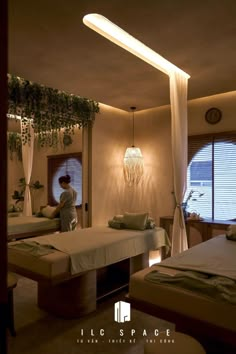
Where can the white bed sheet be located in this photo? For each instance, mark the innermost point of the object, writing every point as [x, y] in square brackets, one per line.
[27, 224]
[99, 246]
[215, 256]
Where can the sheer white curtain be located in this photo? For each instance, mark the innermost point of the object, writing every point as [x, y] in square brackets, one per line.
[27, 159]
[178, 99]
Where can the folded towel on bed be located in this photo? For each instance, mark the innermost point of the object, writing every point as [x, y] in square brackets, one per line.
[116, 224]
[135, 221]
[33, 248]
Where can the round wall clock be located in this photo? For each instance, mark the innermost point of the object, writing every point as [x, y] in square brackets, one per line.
[213, 115]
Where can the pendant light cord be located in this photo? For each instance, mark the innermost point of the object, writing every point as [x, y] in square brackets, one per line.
[133, 109]
[133, 128]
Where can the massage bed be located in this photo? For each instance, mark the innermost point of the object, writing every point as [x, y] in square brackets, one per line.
[195, 289]
[75, 269]
[29, 226]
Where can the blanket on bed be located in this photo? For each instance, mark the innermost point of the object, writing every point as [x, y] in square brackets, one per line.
[214, 286]
[208, 268]
[96, 247]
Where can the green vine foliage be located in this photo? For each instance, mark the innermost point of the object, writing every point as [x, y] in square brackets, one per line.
[14, 145]
[50, 110]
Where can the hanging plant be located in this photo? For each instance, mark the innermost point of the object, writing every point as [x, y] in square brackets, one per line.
[14, 145]
[50, 109]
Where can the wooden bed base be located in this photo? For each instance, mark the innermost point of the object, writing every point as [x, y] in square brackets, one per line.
[70, 299]
[74, 296]
[209, 335]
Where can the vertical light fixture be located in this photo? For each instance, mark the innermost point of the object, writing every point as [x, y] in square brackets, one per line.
[117, 35]
[133, 161]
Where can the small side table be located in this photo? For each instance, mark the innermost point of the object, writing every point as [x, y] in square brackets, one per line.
[11, 284]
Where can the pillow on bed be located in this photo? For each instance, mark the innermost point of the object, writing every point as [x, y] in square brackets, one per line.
[150, 224]
[136, 221]
[47, 211]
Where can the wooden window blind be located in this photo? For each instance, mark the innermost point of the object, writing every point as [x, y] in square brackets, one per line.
[212, 171]
[60, 165]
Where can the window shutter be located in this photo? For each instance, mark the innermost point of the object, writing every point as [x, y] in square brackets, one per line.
[225, 177]
[200, 175]
[212, 171]
[197, 142]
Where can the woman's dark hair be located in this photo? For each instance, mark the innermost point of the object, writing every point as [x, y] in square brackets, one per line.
[65, 179]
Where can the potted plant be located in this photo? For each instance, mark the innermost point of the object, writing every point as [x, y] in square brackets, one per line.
[193, 195]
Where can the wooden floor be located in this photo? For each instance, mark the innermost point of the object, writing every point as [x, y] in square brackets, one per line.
[39, 332]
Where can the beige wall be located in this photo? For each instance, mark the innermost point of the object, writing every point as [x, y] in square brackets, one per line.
[110, 139]
[153, 135]
[112, 134]
[226, 102]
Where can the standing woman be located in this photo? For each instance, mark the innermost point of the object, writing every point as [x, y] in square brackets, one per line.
[66, 207]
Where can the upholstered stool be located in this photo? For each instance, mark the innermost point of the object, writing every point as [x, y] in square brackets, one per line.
[177, 343]
[11, 284]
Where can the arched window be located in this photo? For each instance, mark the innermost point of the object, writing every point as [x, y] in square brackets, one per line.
[60, 165]
[212, 172]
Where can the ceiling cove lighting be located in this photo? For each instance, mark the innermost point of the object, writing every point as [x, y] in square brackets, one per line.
[115, 34]
[133, 162]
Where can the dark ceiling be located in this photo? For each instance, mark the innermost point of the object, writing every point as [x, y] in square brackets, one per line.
[49, 44]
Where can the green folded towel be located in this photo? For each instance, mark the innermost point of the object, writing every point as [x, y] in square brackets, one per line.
[33, 248]
[231, 237]
[116, 224]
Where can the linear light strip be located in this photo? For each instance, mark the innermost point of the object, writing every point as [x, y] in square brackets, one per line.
[13, 116]
[123, 39]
